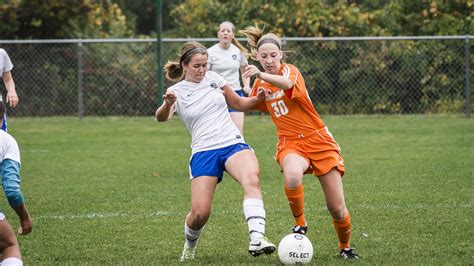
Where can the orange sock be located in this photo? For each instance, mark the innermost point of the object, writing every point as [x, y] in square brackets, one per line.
[296, 200]
[343, 229]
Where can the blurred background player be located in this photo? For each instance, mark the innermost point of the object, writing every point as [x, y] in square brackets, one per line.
[305, 144]
[6, 67]
[10, 166]
[201, 100]
[228, 58]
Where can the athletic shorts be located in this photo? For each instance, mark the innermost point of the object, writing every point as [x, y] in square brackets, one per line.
[241, 94]
[318, 148]
[4, 123]
[212, 162]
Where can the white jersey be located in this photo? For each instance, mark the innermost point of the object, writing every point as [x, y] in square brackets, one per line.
[8, 147]
[227, 62]
[203, 109]
[5, 62]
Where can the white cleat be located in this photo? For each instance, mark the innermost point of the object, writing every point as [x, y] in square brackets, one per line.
[261, 245]
[188, 254]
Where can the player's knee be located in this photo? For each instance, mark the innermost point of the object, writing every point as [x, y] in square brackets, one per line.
[8, 242]
[199, 216]
[251, 183]
[338, 212]
[292, 178]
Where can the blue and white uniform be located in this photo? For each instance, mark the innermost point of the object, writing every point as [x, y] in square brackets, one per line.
[203, 109]
[6, 65]
[227, 63]
[10, 169]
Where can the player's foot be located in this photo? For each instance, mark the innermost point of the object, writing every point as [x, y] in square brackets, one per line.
[188, 254]
[261, 245]
[348, 254]
[297, 229]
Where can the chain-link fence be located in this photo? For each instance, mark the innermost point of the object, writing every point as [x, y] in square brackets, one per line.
[398, 75]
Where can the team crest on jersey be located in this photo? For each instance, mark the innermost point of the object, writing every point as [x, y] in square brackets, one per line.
[214, 85]
[234, 56]
[273, 96]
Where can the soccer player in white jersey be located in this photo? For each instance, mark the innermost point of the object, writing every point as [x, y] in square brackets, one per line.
[10, 171]
[228, 58]
[6, 67]
[201, 100]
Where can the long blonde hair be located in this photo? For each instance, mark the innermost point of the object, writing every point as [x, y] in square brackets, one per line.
[234, 40]
[174, 69]
[256, 38]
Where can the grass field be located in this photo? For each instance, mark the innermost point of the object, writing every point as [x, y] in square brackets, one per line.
[115, 191]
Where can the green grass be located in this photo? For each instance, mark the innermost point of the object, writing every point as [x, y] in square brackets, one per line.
[116, 191]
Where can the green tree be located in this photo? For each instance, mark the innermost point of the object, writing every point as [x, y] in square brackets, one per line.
[56, 19]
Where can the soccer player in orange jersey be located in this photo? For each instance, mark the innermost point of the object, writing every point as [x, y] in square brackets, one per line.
[305, 144]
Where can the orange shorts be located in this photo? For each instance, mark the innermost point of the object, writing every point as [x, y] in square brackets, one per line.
[318, 148]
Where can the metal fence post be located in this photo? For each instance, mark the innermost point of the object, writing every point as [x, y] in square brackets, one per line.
[159, 71]
[80, 82]
[468, 74]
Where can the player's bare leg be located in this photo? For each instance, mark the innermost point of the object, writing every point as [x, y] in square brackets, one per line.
[243, 167]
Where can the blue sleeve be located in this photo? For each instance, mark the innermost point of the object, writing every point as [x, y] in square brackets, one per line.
[11, 182]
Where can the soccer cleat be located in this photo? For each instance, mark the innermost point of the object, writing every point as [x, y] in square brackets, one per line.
[349, 254]
[188, 254]
[297, 229]
[261, 245]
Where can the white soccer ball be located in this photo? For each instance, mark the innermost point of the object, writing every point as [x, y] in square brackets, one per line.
[295, 248]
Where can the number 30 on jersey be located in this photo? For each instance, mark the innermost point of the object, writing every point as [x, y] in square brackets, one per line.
[279, 108]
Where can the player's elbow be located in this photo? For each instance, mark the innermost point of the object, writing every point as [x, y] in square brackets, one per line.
[161, 119]
[160, 116]
[288, 85]
[14, 196]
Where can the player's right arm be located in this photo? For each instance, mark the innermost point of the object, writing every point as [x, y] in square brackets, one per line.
[167, 109]
[12, 97]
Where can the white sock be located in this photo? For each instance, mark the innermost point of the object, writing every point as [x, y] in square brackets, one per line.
[255, 215]
[192, 236]
[12, 261]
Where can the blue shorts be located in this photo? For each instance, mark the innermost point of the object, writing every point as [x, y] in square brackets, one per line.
[241, 94]
[212, 162]
[4, 122]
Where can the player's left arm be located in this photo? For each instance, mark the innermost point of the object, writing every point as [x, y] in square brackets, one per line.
[243, 103]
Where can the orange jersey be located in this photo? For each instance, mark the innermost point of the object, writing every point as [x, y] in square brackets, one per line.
[292, 110]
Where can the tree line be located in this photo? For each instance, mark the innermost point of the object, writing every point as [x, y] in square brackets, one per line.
[57, 19]
[344, 78]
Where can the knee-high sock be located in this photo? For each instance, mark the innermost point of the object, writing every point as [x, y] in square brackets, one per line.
[296, 200]
[12, 261]
[191, 236]
[255, 215]
[343, 230]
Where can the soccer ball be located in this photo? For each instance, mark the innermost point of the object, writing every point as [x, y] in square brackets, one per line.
[295, 248]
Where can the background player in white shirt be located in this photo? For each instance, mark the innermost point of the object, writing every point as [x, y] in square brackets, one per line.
[228, 58]
[201, 100]
[10, 171]
[6, 67]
